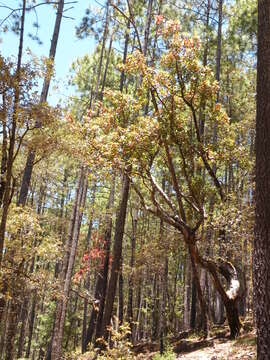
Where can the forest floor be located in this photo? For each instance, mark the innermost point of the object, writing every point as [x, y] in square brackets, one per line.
[243, 348]
[218, 346]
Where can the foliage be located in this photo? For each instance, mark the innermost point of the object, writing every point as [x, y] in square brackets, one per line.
[121, 345]
[168, 355]
[120, 349]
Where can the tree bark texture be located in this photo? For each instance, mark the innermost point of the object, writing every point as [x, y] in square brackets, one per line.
[261, 255]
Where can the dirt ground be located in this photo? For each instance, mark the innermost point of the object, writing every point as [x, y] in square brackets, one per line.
[243, 348]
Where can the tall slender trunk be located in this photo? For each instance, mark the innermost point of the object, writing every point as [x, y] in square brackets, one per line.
[219, 42]
[104, 39]
[131, 277]
[26, 296]
[67, 270]
[187, 293]
[219, 304]
[24, 313]
[73, 310]
[147, 26]
[87, 280]
[205, 61]
[193, 309]
[261, 254]
[43, 98]
[3, 333]
[31, 324]
[106, 66]
[164, 300]
[120, 294]
[155, 307]
[4, 148]
[101, 284]
[117, 253]
[12, 139]
[12, 315]
[140, 298]
[12, 319]
[119, 228]
[14, 306]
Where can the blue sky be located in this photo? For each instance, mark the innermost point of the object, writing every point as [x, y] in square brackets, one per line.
[68, 49]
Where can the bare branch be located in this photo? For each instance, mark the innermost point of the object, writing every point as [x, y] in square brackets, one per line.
[175, 181]
[129, 18]
[162, 193]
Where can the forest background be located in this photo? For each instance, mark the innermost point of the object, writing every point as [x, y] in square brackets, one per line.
[127, 193]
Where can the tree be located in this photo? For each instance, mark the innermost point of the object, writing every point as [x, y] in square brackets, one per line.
[261, 264]
[177, 91]
[43, 98]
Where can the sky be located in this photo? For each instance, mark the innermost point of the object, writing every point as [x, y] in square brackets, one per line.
[68, 49]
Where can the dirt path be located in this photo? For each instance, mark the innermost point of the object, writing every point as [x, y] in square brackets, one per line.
[241, 349]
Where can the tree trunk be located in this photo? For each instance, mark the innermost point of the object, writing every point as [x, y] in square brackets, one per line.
[119, 228]
[43, 98]
[4, 149]
[31, 324]
[147, 26]
[131, 277]
[219, 310]
[3, 333]
[24, 313]
[219, 41]
[120, 294]
[229, 297]
[101, 284]
[261, 255]
[140, 297]
[11, 330]
[104, 39]
[155, 308]
[117, 254]
[13, 308]
[233, 317]
[12, 139]
[67, 270]
[203, 307]
[193, 310]
[87, 280]
[187, 293]
[163, 329]
[219, 305]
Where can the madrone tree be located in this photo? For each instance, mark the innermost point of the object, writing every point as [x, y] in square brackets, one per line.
[166, 143]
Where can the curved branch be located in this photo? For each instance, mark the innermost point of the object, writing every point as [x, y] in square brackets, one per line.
[227, 270]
